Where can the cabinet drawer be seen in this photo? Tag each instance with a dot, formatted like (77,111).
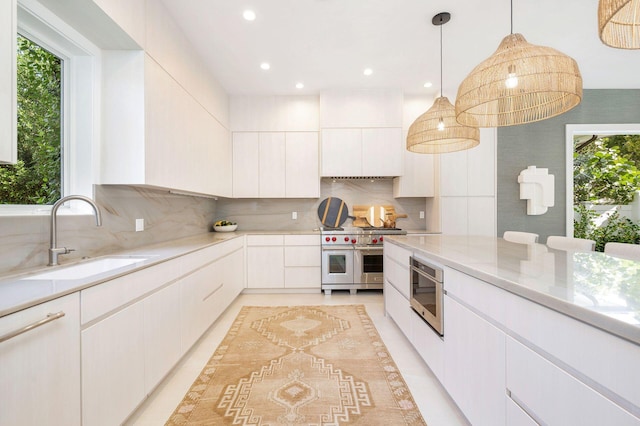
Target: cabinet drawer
(429,345)
(265,240)
(398,254)
(542,389)
(302,256)
(302,277)
(398,276)
(106,297)
(398,308)
(302,240)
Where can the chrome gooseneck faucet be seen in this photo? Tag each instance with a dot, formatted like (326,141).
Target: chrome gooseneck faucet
(54,251)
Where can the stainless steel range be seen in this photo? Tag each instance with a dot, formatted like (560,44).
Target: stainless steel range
(352,258)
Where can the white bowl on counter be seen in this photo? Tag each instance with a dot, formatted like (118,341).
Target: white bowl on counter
(225,228)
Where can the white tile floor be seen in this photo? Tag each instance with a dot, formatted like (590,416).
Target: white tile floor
(436,406)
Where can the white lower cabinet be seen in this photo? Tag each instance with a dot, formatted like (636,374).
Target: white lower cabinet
(283,261)
(428,344)
(40,369)
(397,307)
(113,367)
(302,257)
(128,349)
(553,396)
(161,319)
(474,370)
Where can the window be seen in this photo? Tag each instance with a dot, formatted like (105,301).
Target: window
(68,109)
(37,176)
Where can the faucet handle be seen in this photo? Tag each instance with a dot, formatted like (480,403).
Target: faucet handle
(68,250)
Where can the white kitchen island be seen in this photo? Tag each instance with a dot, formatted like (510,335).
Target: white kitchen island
(531,335)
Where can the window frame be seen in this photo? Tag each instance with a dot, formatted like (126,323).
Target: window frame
(80,103)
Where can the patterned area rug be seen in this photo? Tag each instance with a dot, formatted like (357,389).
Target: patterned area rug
(299,365)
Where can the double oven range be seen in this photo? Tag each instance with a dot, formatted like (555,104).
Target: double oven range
(352,258)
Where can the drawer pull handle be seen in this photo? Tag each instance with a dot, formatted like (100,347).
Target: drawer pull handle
(49,318)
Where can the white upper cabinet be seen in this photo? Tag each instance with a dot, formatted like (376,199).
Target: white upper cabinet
(382,152)
(8,138)
(272,165)
(155,133)
(275,165)
(302,165)
(274,113)
(341,152)
(360,108)
(246,165)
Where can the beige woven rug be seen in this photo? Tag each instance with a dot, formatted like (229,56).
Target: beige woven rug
(299,365)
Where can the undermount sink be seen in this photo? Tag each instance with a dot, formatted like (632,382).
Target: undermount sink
(88,268)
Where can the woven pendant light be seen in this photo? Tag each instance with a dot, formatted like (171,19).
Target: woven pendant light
(520,83)
(437,131)
(619,23)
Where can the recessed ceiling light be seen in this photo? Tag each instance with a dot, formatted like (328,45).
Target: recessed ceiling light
(249,15)
(368,71)
(265,66)
(428,84)
(299,86)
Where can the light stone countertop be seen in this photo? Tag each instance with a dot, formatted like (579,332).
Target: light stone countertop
(598,289)
(18,292)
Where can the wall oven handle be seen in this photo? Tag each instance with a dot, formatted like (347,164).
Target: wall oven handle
(48,318)
(425,275)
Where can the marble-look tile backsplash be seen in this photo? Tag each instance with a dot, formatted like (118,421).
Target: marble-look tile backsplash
(275,214)
(25,239)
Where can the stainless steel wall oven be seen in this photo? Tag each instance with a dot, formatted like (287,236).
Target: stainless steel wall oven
(427,292)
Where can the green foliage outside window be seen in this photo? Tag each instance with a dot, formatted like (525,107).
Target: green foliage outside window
(607,171)
(36,177)
(616,228)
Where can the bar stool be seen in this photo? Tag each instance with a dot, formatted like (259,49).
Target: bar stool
(570,243)
(624,250)
(520,237)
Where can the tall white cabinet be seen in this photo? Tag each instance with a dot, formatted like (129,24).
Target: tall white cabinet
(467,181)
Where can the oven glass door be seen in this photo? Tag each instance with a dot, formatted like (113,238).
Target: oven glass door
(426,298)
(337,266)
(369,265)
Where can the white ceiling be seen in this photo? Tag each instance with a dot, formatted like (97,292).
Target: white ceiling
(326,44)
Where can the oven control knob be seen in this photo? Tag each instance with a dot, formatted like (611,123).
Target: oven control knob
(381,238)
(353,241)
(375,241)
(327,239)
(333,239)
(346,239)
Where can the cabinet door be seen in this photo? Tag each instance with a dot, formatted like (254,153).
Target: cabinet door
(474,371)
(161,334)
(113,367)
(246,165)
(556,397)
(40,369)
(265,267)
(272,165)
(417,179)
(398,308)
(342,152)
(382,152)
(302,165)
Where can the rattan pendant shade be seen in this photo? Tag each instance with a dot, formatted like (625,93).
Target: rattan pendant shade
(520,83)
(437,131)
(619,23)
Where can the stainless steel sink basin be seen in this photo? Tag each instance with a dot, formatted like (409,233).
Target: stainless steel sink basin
(88,268)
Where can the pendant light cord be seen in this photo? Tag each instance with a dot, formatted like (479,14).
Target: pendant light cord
(511,16)
(440,60)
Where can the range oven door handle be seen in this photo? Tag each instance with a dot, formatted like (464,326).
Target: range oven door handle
(369,248)
(334,248)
